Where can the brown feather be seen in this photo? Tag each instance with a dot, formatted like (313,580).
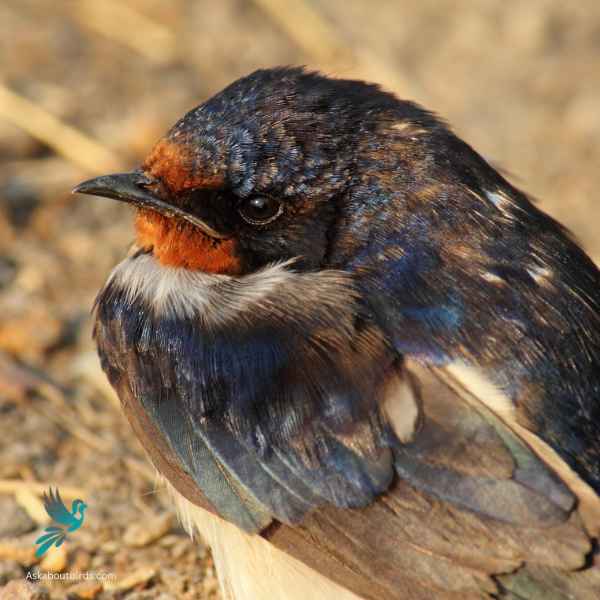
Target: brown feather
(409,545)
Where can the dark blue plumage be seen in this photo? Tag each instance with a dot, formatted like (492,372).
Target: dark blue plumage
(259,404)
(444,261)
(505,290)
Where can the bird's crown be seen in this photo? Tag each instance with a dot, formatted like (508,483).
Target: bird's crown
(262,170)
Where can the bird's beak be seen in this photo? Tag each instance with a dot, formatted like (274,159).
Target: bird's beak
(133,188)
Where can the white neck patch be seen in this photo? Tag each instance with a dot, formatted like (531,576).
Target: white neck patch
(216,299)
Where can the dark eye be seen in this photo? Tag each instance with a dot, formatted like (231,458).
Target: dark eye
(260,210)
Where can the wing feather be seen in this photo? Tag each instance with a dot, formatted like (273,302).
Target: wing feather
(270,416)
(411,545)
(56,508)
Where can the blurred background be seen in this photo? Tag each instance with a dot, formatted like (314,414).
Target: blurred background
(86,87)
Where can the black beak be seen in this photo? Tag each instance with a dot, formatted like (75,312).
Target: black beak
(133,189)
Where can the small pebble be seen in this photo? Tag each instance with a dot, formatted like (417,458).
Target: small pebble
(9,569)
(8,270)
(21,550)
(110,547)
(139,535)
(150,595)
(170,540)
(180,549)
(14,520)
(81,561)
(23,590)
(174,580)
(86,590)
(55,560)
(20,200)
(138,577)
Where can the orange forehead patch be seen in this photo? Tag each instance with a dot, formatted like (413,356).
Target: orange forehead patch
(179,244)
(177,167)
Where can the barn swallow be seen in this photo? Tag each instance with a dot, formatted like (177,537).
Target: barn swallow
(300,241)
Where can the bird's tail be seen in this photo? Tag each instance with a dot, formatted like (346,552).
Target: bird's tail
(53,536)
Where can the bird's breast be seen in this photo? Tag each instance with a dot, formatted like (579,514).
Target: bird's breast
(265,390)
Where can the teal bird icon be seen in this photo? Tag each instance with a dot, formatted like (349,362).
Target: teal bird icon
(56,509)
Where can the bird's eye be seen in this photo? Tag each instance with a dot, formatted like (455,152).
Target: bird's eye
(260,210)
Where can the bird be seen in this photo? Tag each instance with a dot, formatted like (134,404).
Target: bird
(364,363)
(56,509)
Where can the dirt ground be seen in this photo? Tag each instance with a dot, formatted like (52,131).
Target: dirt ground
(86,87)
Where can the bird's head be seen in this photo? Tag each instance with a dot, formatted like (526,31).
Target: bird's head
(263,170)
(78,506)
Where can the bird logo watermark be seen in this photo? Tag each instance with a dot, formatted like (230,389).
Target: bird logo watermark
(66,521)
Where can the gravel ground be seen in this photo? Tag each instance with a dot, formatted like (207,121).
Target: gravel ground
(519,81)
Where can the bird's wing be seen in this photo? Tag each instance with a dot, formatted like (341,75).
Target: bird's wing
(56,508)
(431,535)
(435,538)
(270,416)
(479,277)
